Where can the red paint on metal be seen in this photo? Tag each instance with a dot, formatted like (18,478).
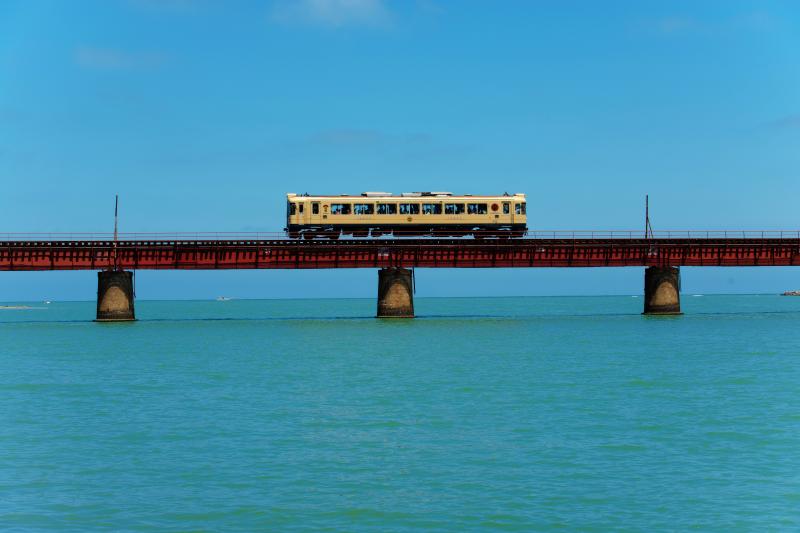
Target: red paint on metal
(407,253)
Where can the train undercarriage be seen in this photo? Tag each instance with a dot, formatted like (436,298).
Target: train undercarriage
(309,232)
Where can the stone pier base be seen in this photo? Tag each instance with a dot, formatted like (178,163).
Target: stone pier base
(395,293)
(662,291)
(115,296)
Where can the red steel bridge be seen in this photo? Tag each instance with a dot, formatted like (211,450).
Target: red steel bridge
(267,251)
(662,253)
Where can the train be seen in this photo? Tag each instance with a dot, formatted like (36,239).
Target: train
(374,214)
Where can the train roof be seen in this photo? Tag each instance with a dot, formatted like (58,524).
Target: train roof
(373,195)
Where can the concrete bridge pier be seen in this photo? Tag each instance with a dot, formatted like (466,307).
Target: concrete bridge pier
(115,296)
(662,287)
(395,293)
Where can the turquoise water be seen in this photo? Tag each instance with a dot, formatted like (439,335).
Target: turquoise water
(513,414)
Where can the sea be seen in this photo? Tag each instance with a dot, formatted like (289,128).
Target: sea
(481,414)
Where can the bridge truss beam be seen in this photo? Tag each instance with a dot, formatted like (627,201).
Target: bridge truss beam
(398,253)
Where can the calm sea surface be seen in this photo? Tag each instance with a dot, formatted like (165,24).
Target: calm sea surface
(515,414)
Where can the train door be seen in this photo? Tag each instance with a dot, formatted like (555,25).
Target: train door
(314,215)
(507,211)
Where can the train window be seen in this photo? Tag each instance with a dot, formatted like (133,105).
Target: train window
(292,209)
(387,209)
(409,209)
(363,209)
(520,209)
(477,209)
(300,207)
(431,209)
(340,209)
(506,208)
(453,209)
(315,208)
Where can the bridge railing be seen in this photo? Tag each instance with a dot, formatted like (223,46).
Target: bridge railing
(664,234)
(280,235)
(144,236)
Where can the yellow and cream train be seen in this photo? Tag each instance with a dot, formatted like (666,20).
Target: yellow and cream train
(407,214)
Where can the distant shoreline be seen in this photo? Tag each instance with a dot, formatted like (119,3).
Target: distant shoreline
(291,299)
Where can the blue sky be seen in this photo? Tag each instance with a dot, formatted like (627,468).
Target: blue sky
(202,114)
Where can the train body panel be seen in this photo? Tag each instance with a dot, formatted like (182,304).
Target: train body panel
(407,214)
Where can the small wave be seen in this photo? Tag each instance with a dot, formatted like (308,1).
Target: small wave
(624,447)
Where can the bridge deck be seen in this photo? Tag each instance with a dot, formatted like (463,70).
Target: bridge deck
(407,253)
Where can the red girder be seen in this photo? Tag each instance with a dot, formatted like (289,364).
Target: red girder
(427,253)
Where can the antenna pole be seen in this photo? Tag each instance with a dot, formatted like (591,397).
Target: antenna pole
(116,235)
(116,213)
(648,229)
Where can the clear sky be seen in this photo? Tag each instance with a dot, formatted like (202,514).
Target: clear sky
(202,114)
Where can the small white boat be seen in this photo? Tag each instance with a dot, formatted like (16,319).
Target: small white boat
(223,299)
